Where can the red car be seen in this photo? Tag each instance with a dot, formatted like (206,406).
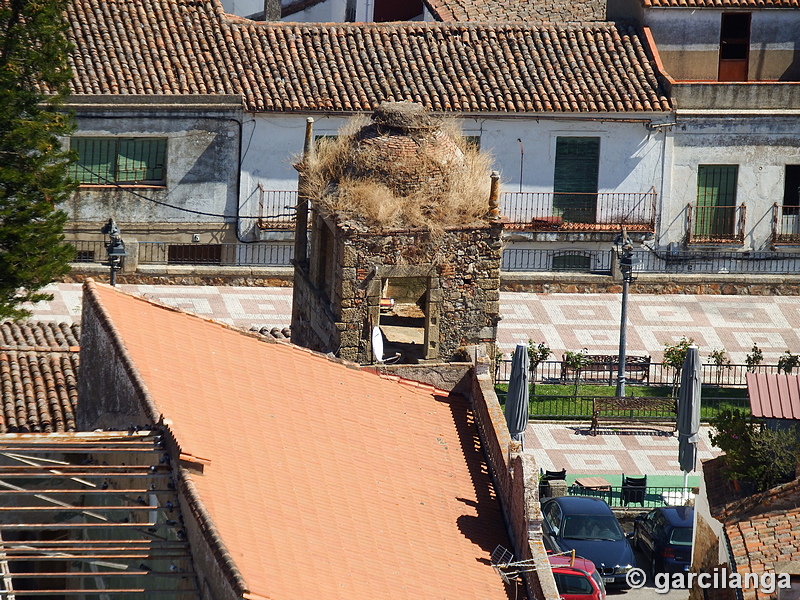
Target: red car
(576,578)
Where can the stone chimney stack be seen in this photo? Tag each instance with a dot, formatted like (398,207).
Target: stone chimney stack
(272,10)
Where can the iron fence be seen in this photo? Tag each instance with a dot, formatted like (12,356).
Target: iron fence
(649,497)
(89,251)
(579,408)
(525,259)
(549,211)
(230,254)
(659,374)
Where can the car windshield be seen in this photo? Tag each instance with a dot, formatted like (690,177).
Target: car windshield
(681,536)
(592,527)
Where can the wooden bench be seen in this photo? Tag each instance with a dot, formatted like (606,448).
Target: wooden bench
(603,367)
(630,409)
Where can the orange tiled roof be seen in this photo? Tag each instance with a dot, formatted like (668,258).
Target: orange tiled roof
(322,480)
(722,3)
(761,528)
(38,369)
(191,47)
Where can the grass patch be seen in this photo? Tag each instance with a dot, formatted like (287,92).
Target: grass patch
(558,401)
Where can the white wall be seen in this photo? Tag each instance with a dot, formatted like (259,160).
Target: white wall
(630,153)
(761,146)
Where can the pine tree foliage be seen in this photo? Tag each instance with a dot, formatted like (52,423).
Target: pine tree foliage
(34,78)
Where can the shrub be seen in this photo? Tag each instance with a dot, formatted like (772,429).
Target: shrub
(753,452)
(754,358)
(788,362)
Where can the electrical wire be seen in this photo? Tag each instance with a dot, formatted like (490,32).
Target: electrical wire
(153,200)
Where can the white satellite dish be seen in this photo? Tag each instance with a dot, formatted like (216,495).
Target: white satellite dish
(377,343)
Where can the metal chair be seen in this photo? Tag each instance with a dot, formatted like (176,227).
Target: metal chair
(633,489)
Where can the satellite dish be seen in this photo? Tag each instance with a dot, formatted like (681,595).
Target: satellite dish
(377,343)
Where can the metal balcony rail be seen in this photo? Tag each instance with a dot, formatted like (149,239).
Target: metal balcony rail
(277,209)
(561,211)
(584,261)
(228,254)
(786,224)
(716,224)
(716,262)
(599,261)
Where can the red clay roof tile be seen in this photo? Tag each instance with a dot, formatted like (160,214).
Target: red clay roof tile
(38,370)
(191,47)
(323,480)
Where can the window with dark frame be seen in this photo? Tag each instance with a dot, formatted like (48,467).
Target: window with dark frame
(791,190)
(110,161)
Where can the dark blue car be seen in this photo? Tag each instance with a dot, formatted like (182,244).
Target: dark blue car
(588,526)
(665,537)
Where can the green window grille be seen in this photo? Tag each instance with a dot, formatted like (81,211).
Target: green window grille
(575,179)
(716,201)
(119,160)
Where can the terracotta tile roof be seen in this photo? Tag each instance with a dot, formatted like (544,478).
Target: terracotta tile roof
(321,479)
(38,369)
(774,396)
(761,528)
(190,47)
(721,3)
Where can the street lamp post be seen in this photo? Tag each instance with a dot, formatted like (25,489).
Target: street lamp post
(115,248)
(624,250)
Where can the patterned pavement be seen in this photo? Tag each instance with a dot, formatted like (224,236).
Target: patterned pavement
(627,450)
(563,321)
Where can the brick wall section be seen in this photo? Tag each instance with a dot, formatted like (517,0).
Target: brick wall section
(463,270)
(517,479)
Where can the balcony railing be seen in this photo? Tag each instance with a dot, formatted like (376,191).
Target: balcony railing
(556,211)
(716,224)
(276,208)
(786,224)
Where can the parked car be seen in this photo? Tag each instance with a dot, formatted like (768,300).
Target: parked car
(576,578)
(588,526)
(665,536)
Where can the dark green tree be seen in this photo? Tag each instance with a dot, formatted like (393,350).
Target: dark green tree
(34,78)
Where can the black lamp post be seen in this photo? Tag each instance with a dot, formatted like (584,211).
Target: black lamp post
(115,248)
(624,249)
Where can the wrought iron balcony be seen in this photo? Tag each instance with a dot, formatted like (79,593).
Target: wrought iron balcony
(276,208)
(603,211)
(786,224)
(716,224)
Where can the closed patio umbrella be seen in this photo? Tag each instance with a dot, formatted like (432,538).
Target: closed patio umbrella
(517,398)
(689,412)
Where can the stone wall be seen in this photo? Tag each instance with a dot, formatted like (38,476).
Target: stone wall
(461,266)
(537,283)
(112,396)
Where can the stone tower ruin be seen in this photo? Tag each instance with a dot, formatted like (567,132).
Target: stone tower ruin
(404,239)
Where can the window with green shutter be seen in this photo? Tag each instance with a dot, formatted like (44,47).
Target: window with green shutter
(715,213)
(112,161)
(575,179)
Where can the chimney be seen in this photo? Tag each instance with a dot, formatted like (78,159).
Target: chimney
(272,10)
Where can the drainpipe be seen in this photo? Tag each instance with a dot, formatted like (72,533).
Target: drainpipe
(301,210)
(494,196)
